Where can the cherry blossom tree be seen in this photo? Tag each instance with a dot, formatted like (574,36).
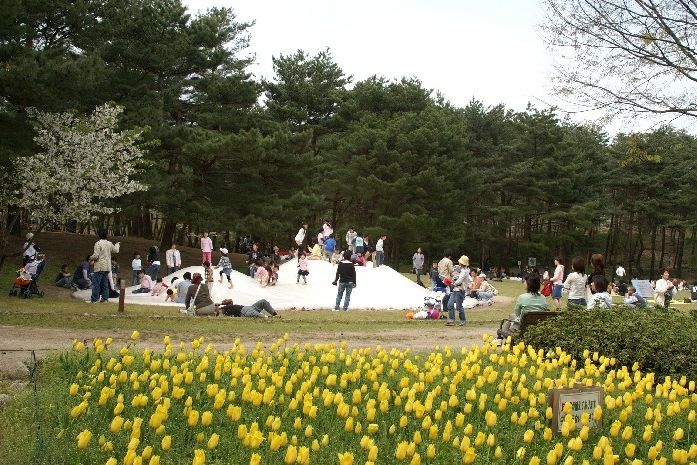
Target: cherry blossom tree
(84,162)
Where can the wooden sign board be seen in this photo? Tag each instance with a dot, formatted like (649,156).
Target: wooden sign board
(582,399)
(643,287)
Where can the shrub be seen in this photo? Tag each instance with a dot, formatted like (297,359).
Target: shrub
(664,342)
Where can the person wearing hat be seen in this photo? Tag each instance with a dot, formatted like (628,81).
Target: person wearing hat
(226,266)
(29,250)
(174,259)
(199,295)
(460,286)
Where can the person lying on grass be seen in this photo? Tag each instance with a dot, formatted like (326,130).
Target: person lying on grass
(227,308)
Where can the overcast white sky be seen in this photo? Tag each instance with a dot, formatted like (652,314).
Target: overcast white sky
(485,49)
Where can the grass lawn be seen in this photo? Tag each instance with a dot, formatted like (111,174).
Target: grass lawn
(51,322)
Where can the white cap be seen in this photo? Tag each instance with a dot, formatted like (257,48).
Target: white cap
(30,235)
(223,250)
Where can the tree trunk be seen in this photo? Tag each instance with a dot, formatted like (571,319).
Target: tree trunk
(608,239)
(168,231)
(663,250)
(679,253)
(652,268)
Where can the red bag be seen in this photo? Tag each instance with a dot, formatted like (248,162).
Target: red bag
(547,289)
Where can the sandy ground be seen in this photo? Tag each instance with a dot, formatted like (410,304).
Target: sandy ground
(420,338)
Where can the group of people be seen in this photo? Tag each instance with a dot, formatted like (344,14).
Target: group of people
(588,290)
(326,246)
(459,282)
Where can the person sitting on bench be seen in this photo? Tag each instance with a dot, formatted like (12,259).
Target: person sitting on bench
(530,301)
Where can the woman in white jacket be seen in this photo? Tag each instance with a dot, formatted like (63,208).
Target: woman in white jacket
(664,290)
(575,283)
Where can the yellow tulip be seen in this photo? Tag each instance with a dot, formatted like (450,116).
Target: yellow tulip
(112,461)
(166,443)
(528,436)
(199,457)
(679,434)
(213,441)
(154,460)
(431,451)
(291,455)
(415,459)
(83,439)
(206,418)
(135,335)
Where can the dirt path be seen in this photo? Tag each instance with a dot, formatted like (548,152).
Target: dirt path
(47,341)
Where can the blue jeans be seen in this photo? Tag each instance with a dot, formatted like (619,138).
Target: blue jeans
(456,299)
(379,257)
(344,287)
(172,270)
(483,295)
(64,282)
(100,286)
(135,280)
(153,271)
(141,290)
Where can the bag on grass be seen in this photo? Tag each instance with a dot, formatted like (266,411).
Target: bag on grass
(192,305)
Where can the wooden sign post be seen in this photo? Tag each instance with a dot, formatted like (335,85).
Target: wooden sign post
(582,399)
(122,296)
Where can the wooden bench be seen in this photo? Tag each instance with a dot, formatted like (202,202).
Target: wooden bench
(529,319)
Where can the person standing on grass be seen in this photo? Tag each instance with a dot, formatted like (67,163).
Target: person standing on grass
(346,279)
(174,259)
(380,251)
(417,262)
(575,283)
(29,249)
(206,248)
(621,272)
(665,290)
(462,283)
(102,266)
(445,265)
(557,282)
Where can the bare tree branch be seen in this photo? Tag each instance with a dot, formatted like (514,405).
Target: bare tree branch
(619,56)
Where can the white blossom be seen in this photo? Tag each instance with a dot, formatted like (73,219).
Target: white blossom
(84,162)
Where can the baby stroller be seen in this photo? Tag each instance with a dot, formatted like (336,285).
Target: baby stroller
(26,285)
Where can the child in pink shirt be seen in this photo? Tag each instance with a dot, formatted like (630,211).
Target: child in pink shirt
(206,248)
(303,266)
(262,274)
(159,287)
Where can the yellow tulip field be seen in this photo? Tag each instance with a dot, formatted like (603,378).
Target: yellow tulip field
(295,403)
